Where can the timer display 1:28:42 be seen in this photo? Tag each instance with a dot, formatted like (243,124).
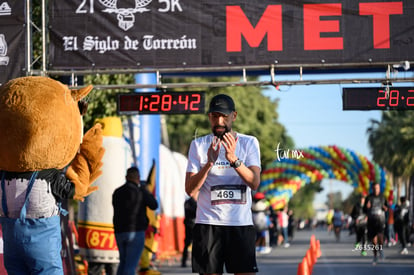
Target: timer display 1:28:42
(161,103)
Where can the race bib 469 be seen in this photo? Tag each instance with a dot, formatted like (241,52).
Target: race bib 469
(235,194)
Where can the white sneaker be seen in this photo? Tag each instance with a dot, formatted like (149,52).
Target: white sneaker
(286,245)
(404,251)
(266,250)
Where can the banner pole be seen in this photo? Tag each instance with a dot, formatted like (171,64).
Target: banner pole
(44,71)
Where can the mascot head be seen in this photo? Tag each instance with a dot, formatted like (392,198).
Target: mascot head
(41,124)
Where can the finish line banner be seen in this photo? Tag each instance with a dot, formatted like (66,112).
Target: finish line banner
(115,34)
(12,40)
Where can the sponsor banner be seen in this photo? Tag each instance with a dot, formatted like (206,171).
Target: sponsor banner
(105,34)
(12,39)
(97,236)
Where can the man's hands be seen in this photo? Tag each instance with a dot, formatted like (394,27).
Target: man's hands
(229,142)
(213,150)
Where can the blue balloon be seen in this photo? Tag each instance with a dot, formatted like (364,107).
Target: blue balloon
(356,159)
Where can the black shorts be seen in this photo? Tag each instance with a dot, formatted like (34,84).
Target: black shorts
(215,246)
(375,227)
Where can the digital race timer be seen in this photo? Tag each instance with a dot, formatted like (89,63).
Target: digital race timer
(161,103)
(396,98)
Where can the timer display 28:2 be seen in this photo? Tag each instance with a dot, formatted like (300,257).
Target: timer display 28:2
(396,98)
(161,103)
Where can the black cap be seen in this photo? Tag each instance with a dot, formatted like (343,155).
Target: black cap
(222,104)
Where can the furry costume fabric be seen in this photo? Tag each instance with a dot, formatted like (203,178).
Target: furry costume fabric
(42,134)
(43,129)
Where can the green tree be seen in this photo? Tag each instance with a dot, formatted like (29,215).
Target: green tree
(390,140)
(334,200)
(302,201)
(36,13)
(103,103)
(352,200)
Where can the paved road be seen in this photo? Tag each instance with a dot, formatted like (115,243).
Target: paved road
(337,258)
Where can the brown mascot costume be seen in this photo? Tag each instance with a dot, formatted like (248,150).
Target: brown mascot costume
(41,137)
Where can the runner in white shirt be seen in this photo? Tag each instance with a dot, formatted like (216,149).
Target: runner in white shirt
(223,168)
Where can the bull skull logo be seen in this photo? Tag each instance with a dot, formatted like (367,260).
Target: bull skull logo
(125,16)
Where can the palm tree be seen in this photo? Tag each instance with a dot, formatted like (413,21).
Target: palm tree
(391,143)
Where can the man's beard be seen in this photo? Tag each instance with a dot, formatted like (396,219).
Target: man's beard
(220,134)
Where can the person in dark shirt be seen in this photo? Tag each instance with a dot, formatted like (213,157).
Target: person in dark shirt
(360,223)
(402,224)
(190,209)
(375,207)
(130,202)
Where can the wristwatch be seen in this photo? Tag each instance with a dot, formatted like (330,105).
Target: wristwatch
(236,164)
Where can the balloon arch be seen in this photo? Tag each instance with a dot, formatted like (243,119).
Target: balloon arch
(296,168)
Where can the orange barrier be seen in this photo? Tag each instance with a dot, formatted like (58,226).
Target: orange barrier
(312,254)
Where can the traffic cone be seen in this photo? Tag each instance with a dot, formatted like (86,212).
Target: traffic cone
(303,267)
(306,266)
(311,259)
(315,247)
(313,242)
(318,249)
(300,269)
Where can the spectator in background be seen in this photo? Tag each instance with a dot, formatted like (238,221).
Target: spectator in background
(273,232)
(283,222)
(291,225)
(190,209)
(401,218)
(360,223)
(261,222)
(329,218)
(390,228)
(337,222)
(130,202)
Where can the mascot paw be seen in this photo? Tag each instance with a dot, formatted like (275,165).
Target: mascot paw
(86,166)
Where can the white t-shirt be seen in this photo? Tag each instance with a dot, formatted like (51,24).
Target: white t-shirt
(224,198)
